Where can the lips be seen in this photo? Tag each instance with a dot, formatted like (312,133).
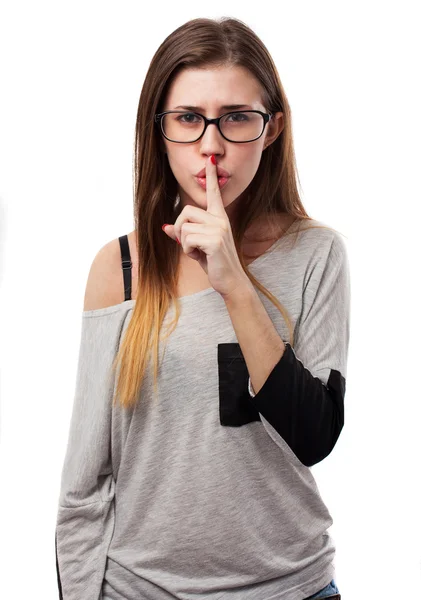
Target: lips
(222,181)
(219,171)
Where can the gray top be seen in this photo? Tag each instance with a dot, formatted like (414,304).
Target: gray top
(199,495)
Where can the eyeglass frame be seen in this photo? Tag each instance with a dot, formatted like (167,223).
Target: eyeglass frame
(216,121)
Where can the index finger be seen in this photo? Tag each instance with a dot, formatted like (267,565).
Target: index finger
(213,193)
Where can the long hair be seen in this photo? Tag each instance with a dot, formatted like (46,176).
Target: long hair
(199,43)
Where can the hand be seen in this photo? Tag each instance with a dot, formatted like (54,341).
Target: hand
(206,236)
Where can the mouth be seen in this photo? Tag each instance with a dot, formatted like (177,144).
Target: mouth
(222,181)
(220,171)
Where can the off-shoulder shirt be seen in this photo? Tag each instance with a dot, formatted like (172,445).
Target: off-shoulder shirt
(206,492)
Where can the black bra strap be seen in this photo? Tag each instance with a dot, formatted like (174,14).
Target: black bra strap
(126,264)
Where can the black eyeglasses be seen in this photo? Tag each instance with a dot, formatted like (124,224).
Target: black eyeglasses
(239,127)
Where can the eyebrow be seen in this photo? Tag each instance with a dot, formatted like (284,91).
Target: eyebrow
(225,107)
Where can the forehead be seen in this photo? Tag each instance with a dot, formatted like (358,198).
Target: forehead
(215,89)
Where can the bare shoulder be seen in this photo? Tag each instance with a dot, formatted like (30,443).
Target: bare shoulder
(105,285)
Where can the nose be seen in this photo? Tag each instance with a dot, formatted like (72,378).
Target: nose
(212,141)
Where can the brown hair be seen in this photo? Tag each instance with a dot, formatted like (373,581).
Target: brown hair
(199,43)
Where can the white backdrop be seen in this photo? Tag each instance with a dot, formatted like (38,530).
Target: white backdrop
(71,76)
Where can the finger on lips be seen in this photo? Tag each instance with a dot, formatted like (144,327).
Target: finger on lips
(211,160)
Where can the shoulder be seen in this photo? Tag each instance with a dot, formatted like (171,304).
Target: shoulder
(324,250)
(321,235)
(105,285)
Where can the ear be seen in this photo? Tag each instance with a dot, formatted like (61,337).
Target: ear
(275,127)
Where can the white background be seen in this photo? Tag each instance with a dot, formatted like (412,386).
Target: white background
(71,76)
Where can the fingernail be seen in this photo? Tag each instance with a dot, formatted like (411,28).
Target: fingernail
(164,225)
(178,241)
(213,159)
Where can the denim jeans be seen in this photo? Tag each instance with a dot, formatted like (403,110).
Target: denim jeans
(326,591)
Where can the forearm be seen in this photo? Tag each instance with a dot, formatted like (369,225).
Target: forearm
(260,343)
(307,413)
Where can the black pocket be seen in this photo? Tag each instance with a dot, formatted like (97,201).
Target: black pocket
(235,408)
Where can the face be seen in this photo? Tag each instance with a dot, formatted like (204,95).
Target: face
(211,89)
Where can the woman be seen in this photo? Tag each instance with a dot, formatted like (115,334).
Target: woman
(187,472)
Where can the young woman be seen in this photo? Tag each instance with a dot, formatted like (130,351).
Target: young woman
(213,355)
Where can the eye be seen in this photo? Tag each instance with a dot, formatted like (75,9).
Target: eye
(186,115)
(238,117)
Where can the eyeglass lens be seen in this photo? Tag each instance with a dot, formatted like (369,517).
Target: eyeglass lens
(236,126)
